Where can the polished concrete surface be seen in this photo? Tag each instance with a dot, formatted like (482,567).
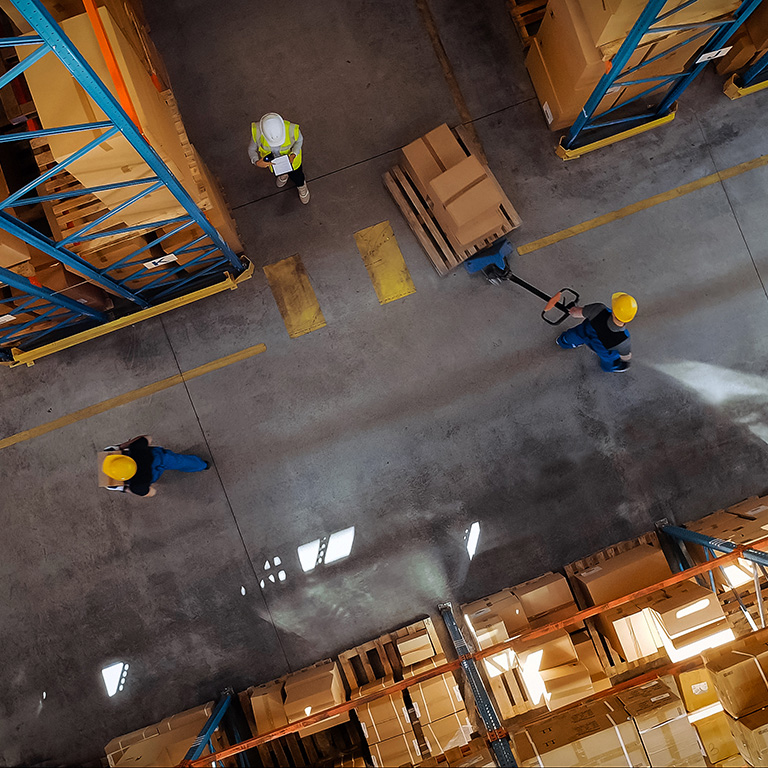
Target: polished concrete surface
(409,421)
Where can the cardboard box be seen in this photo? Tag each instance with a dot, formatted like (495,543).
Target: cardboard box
(566,45)
(661,719)
(697,689)
(566,684)
(595,735)
(757,26)
(12,250)
(545,653)
(587,655)
(637,636)
(741,53)
(739,672)
(427,157)
(622,574)
(751,736)
(324,725)
(693,643)
(58,279)
(436,698)
(313,690)
(400,750)
(267,705)
(715,736)
(456,180)
(545,594)
(384,718)
(489,630)
(415,648)
(500,663)
(447,733)
(686,607)
(504,605)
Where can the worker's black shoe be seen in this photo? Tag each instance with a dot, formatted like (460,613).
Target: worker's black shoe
(207,465)
(621,366)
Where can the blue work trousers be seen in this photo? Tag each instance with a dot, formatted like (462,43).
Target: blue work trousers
(163,459)
(584,333)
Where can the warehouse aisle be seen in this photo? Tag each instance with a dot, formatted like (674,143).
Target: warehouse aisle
(406,422)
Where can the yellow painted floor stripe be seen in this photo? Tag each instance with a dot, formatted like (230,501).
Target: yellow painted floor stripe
(295,298)
(385,263)
(649,202)
(129,397)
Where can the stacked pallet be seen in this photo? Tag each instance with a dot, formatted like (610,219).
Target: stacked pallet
(577,40)
(748,44)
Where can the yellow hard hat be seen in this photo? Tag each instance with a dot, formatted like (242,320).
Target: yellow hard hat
(623,306)
(119,467)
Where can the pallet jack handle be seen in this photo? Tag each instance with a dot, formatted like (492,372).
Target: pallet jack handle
(563,300)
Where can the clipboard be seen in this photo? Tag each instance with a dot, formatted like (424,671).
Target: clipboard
(282,164)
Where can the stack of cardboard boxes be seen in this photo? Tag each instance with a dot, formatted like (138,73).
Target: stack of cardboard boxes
(462,194)
(739,673)
(387,729)
(748,44)
(577,40)
(312,690)
(706,715)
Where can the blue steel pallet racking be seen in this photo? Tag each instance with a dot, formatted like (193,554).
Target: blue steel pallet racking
(55,315)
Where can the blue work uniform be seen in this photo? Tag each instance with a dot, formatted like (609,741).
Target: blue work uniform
(152,461)
(599,332)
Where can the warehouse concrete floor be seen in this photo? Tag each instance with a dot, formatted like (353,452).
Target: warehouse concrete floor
(409,421)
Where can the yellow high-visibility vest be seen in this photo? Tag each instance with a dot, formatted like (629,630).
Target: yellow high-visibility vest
(291,135)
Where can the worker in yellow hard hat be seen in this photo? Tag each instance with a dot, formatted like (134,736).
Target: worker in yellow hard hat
(603,331)
(139,464)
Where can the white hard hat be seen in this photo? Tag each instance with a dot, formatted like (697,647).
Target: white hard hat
(272,127)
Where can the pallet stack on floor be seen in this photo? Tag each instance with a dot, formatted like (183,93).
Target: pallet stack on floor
(59,101)
(577,40)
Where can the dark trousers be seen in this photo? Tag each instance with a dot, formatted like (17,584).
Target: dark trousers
(297,176)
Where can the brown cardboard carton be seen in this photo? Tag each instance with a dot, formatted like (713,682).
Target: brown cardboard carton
(312,690)
(587,655)
(739,672)
(693,643)
(685,607)
(473,203)
(623,574)
(751,736)
(489,630)
(563,612)
(697,689)
(400,750)
(62,281)
(544,594)
(267,705)
(415,648)
(503,604)
(595,735)
(427,157)
(447,732)
(716,737)
(566,684)
(741,53)
(757,26)
(456,180)
(436,698)
(545,653)
(324,725)
(12,250)
(445,147)
(634,636)
(165,750)
(484,225)
(384,718)
(566,45)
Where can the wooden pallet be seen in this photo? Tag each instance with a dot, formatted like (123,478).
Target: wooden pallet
(371,662)
(526,16)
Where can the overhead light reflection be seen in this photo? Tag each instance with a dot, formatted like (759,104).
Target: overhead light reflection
(473,535)
(114,677)
(327,550)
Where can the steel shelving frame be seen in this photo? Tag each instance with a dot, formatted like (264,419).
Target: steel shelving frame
(497,736)
(592,131)
(753,79)
(60,315)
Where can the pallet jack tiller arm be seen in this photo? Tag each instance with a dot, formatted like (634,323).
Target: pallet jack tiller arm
(492,262)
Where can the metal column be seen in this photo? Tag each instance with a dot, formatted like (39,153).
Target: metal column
(204,739)
(719,545)
(153,278)
(497,734)
(666,88)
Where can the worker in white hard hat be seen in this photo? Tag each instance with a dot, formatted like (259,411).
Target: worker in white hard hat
(603,331)
(276,144)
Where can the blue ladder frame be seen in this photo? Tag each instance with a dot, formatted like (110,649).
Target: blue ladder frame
(713,34)
(209,253)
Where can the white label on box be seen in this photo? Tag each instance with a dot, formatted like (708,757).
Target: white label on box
(457,693)
(416,710)
(167,259)
(719,53)
(7,318)
(698,688)
(614,89)
(365,729)
(547,112)
(660,698)
(374,761)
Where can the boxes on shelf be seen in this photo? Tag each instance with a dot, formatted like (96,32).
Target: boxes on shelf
(662,722)
(587,736)
(741,53)
(750,733)
(544,595)
(448,732)
(631,630)
(715,736)
(59,279)
(384,718)
(622,574)
(436,698)
(757,26)
(495,618)
(415,648)
(312,690)
(738,672)
(685,607)
(697,689)
(399,750)
(267,704)
(587,655)
(12,250)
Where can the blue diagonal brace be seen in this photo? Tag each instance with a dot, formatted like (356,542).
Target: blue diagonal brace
(719,545)
(6,138)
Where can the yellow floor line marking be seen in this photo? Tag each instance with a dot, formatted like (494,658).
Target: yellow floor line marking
(295,298)
(649,202)
(129,397)
(385,263)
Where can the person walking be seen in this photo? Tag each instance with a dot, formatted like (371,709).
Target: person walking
(603,331)
(276,144)
(140,464)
